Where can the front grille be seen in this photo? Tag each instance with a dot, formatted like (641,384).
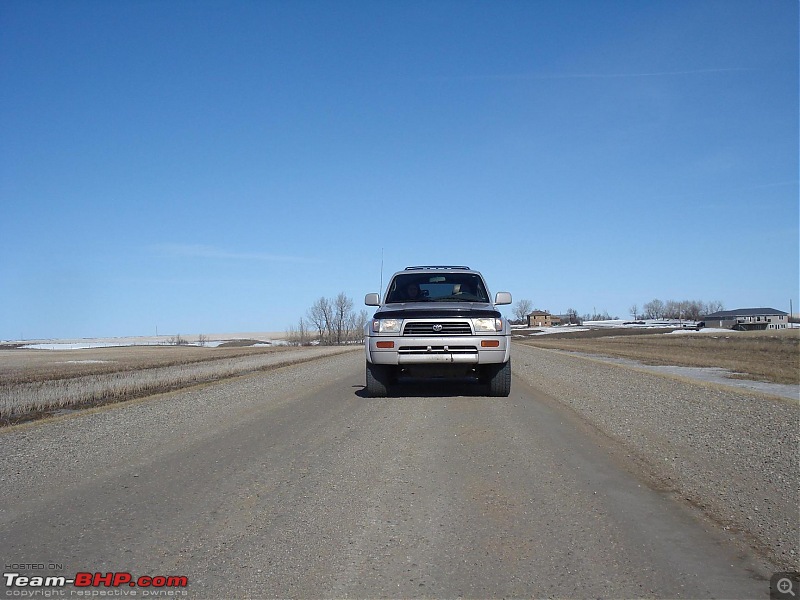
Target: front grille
(437,349)
(427,328)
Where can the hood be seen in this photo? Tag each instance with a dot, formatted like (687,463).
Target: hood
(422,310)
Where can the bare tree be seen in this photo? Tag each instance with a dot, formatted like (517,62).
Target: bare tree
(342,307)
(291,336)
(355,326)
(298,336)
(694,310)
(691,310)
(654,309)
(672,309)
(321,315)
(522,309)
(302,332)
(317,321)
(178,340)
(598,316)
(335,321)
(634,311)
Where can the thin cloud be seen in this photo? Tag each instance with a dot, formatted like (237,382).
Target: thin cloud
(556,76)
(201,251)
(633,75)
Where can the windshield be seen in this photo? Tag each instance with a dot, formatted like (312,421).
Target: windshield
(437,287)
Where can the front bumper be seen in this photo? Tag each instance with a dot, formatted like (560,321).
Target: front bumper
(465,350)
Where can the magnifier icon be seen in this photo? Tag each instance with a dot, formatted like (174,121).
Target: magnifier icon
(785,586)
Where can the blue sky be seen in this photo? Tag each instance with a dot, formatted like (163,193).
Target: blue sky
(203,167)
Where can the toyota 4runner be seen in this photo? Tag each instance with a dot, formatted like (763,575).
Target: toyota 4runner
(438,321)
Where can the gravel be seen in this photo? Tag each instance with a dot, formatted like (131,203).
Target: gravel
(105,439)
(733,454)
(291,483)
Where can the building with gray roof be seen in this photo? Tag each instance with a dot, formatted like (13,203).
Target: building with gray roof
(748,319)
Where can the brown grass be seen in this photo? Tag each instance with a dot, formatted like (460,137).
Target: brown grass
(23,366)
(772,356)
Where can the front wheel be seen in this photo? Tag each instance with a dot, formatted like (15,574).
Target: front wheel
(378,377)
(499,379)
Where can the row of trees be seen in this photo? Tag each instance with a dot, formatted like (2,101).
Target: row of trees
(330,322)
(690,310)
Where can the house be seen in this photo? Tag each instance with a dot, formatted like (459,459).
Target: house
(748,319)
(542,318)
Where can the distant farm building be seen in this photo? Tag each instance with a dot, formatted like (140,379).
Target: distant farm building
(542,318)
(748,319)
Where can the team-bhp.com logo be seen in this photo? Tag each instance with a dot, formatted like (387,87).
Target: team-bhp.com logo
(97,580)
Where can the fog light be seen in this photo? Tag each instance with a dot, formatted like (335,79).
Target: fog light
(490,343)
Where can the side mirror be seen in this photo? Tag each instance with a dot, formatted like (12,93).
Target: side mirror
(502,298)
(372,300)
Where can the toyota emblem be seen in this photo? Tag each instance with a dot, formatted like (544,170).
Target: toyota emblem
(437,327)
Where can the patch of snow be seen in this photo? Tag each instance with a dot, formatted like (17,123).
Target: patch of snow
(710,374)
(640,323)
(562,329)
(700,331)
(212,341)
(72,346)
(86,362)
(611,323)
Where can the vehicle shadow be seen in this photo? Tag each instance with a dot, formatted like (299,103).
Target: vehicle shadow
(409,387)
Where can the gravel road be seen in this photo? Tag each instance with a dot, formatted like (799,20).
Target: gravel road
(291,483)
(734,454)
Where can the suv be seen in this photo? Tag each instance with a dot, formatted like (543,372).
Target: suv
(438,321)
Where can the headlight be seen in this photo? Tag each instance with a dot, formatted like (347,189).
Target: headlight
(484,325)
(386,325)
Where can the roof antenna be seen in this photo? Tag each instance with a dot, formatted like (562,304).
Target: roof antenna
(380,289)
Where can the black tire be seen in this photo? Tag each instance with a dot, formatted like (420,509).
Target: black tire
(500,379)
(378,377)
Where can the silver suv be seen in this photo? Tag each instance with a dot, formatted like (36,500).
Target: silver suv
(438,321)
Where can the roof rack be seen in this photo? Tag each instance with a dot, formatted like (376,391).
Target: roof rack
(423,267)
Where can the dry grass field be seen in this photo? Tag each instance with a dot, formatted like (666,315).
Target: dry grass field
(20,365)
(35,383)
(772,356)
